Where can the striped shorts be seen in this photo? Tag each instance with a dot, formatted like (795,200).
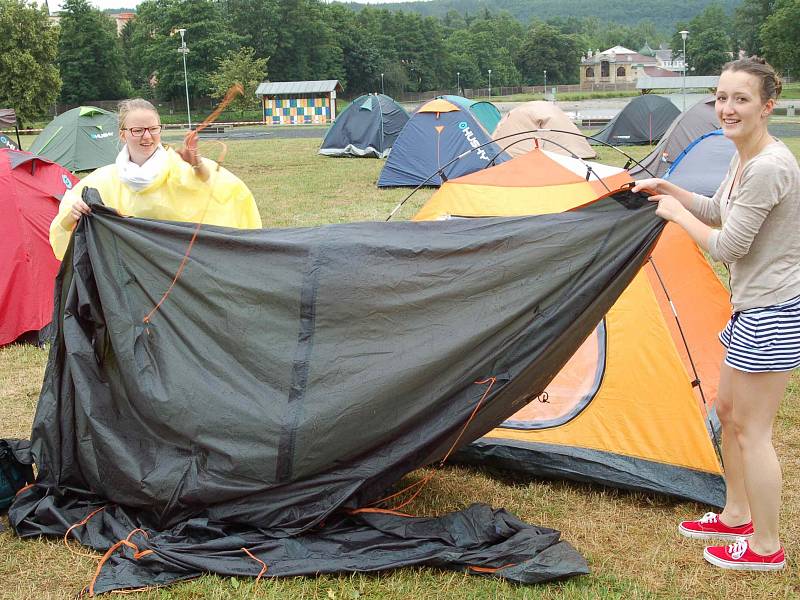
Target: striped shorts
(764,339)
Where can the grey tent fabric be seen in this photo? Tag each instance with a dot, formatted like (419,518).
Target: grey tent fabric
(367,128)
(80,139)
(703,165)
(688,126)
(293,376)
(644,120)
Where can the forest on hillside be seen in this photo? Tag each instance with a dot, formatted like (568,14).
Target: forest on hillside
(622,12)
(83,58)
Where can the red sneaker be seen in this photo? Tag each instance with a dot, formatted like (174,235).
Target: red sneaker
(710,526)
(738,555)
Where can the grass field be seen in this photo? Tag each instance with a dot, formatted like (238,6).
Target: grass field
(629,539)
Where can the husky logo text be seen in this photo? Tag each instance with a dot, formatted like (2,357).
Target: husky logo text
(472,140)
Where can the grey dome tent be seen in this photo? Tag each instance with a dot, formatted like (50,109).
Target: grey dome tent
(698,120)
(703,165)
(368,127)
(644,120)
(80,139)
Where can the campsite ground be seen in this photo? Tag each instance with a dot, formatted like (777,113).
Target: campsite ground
(629,539)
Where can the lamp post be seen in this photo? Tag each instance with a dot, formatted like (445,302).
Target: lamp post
(458,83)
(382,84)
(545,84)
(684,35)
(185,50)
(490,83)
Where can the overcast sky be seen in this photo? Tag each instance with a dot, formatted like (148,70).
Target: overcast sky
(56,5)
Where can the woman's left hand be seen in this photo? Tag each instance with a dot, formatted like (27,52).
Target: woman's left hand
(669,207)
(189,151)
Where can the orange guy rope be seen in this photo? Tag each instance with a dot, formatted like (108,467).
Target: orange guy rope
(191,138)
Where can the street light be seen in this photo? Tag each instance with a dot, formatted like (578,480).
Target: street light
(185,50)
(684,35)
(545,84)
(458,83)
(382,83)
(490,83)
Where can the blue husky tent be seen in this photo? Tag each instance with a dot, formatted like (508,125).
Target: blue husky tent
(702,166)
(483,110)
(368,127)
(437,133)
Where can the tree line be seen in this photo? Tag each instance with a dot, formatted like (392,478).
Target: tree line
(249,41)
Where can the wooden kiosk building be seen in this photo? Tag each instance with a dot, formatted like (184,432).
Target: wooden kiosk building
(299,102)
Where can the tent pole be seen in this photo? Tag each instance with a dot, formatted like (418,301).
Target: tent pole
(696,383)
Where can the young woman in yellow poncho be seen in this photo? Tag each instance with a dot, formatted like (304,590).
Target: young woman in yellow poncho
(151,181)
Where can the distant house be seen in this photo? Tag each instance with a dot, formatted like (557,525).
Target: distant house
(122,19)
(621,65)
(298,102)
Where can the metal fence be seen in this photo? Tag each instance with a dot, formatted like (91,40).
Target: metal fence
(552,91)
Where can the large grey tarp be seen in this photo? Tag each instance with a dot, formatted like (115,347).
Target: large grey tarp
(294,375)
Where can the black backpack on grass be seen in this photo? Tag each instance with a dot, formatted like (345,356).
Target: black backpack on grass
(13,473)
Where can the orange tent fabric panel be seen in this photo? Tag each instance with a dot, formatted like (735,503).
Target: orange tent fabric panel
(638,410)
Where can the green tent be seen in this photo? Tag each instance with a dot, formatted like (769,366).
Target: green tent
(80,139)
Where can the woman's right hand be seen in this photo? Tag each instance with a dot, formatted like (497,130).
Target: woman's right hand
(649,185)
(76,211)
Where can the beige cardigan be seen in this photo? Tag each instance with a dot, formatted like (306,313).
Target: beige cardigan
(759,238)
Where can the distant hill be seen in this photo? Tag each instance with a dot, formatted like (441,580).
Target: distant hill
(625,12)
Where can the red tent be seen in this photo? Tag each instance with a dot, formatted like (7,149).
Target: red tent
(30,190)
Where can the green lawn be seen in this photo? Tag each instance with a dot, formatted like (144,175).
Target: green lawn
(630,539)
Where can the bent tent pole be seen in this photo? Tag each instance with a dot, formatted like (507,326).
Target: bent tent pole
(696,383)
(440,171)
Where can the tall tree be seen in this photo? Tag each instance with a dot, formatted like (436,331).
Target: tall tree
(546,48)
(781,35)
(155,60)
(90,55)
(305,47)
(709,44)
(748,18)
(29,79)
(242,67)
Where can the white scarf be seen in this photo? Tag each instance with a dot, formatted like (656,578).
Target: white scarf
(136,177)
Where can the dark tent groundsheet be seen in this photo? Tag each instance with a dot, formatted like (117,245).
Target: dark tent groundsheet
(292,376)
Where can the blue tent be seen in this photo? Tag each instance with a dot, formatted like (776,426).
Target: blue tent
(702,166)
(436,134)
(483,110)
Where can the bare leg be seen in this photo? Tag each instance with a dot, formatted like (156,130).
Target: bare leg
(756,398)
(737,508)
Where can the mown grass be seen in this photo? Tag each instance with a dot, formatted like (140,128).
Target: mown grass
(629,538)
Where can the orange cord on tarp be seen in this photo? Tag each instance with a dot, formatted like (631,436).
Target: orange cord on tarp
(258,560)
(137,554)
(234,91)
(420,485)
(80,524)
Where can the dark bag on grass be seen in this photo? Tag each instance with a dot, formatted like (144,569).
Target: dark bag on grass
(13,474)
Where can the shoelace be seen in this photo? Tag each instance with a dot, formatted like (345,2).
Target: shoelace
(709,517)
(737,549)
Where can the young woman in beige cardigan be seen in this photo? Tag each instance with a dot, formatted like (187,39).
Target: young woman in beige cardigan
(757,213)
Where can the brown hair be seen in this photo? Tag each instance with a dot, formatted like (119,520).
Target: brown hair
(126,106)
(771,85)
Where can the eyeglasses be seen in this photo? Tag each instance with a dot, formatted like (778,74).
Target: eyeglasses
(139,131)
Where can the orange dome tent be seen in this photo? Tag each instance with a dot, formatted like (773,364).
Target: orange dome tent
(631,409)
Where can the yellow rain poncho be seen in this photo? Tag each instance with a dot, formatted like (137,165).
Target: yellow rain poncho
(176,195)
